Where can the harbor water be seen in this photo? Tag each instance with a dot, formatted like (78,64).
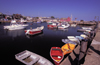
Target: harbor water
(15,41)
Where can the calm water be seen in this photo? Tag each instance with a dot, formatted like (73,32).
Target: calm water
(13,42)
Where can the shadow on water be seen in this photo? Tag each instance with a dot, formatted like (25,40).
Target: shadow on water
(32,36)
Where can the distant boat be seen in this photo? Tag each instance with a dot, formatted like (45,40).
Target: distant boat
(34,31)
(79,37)
(63,26)
(23,21)
(14,26)
(73,25)
(30,58)
(87,28)
(52,25)
(56,54)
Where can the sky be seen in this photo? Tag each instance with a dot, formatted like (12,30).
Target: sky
(80,9)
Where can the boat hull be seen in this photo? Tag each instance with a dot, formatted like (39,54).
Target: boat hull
(33,32)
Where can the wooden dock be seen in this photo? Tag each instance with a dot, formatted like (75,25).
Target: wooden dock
(92,52)
(86,23)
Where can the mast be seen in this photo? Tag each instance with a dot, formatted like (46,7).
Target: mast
(71,17)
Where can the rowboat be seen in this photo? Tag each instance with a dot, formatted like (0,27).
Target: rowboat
(56,54)
(66,41)
(68,48)
(84,36)
(74,39)
(87,28)
(80,38)
(30,58)
(34,31)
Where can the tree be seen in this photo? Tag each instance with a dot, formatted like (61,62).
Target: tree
(52,17)
(81,20)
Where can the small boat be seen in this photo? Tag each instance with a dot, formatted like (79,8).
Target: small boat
(84,36)
(87,28)
(63,26)
(74,39)
(52,25)
(79,37)
(66,41)
(73,25)
(84,30)
(34,31)
(30,58)
(87,33)
(68,48)
(56,54)
(14,26)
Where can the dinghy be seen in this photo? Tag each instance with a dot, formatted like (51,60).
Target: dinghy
(79,37)
(68,48)
(84,36)
(74,39)
(87,28)
(30,58)
(56,54)
(14,26)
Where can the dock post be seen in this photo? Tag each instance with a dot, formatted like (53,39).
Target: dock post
(83,49)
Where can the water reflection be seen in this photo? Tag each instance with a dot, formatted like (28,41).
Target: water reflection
(32,36)
(15,33)
(56,29)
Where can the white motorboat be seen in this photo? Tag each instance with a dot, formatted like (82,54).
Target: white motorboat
(30,58)
(14,26)
(63,26)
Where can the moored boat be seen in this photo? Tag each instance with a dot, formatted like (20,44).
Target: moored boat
(84,36)
(87,28)
(63,26)
(79,37)
(14,26)
(74,39)
(52,25)
(56,54)
(34,31)
(30,58)
(68,48)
